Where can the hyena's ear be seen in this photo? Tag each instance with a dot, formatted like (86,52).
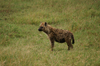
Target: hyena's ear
(45,23)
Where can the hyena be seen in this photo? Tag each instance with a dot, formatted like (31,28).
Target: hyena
(57,35)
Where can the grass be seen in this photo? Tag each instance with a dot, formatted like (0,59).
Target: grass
(22,45)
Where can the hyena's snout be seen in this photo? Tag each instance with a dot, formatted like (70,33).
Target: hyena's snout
(40,29)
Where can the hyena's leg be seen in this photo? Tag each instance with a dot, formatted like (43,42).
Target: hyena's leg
(52,44)
(68,41)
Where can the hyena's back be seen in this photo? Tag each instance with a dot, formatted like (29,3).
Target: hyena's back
(61,35)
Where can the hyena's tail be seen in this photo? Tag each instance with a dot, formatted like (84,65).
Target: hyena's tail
(72,36)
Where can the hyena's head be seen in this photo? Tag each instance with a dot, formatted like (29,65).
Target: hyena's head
(42,26)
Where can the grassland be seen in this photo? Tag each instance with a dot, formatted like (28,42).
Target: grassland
(22,45)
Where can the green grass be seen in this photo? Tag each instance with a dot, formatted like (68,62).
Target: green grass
(21,44)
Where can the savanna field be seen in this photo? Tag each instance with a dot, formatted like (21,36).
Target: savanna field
(21,44)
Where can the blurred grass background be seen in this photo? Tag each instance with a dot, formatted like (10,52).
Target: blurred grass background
(22,45)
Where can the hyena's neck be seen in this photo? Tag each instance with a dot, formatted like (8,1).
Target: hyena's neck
(48,29)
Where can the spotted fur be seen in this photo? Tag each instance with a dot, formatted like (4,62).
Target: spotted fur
(57,35)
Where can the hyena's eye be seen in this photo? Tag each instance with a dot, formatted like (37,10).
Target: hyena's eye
(41,27)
